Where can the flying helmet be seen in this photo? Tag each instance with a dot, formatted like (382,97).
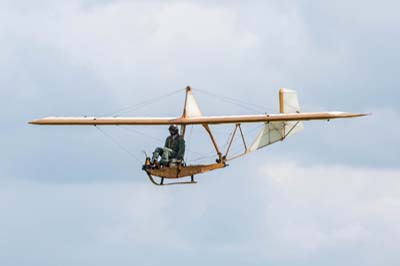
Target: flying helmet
(173,129)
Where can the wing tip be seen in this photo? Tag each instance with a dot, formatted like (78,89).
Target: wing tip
(364,114)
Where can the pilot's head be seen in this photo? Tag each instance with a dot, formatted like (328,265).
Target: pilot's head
(173,130)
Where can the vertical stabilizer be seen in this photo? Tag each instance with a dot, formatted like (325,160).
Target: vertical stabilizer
(288,102)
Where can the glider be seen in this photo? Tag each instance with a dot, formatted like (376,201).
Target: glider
(276,127)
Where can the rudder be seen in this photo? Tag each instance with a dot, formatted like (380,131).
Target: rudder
(288,102)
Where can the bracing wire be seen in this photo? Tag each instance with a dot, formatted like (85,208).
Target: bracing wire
(131,130)
(207,155)
(237,102)
(118,144)
(142,104)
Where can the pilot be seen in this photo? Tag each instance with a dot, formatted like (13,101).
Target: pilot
(174,148)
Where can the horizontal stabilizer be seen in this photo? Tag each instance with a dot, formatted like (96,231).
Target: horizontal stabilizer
(276,131)
(273,132)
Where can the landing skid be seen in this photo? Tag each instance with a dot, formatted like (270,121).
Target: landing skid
(191,182)
(181,171)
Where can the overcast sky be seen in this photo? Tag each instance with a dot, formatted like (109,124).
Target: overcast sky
(327,196)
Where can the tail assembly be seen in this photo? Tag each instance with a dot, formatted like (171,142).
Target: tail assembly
(279,130)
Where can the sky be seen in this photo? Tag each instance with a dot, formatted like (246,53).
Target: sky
(329,195)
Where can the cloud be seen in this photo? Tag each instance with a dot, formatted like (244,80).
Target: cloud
(287,214)
(81,219)
(323,209)
(126,44)
(367,142)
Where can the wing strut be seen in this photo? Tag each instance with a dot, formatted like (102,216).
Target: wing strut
(213,141)
(231,140)
(241,133)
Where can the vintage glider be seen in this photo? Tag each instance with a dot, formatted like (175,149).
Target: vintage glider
(276,127)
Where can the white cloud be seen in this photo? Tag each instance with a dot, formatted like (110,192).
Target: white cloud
(287,212)
(310,210)
(127,41)
(164,45)
(83,219)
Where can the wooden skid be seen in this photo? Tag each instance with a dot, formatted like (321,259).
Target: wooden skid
(169,184)
(183,171)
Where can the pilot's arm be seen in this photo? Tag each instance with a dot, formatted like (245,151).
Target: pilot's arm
(166,142)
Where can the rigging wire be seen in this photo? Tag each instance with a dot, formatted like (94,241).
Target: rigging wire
(131,130)
(241,103)
(188,150)
(142,104)
(118,144)
(207,155)
(159,98)
(155,138)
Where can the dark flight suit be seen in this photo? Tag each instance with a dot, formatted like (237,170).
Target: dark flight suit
(174,148)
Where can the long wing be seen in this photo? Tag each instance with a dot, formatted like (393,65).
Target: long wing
(233,119)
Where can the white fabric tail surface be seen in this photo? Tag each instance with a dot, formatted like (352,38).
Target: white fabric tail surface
(278,131)
(290,101)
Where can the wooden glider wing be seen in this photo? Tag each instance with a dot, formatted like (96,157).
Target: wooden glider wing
(289,112)
(201,120)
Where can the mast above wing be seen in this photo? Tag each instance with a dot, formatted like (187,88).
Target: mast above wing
(191,108)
